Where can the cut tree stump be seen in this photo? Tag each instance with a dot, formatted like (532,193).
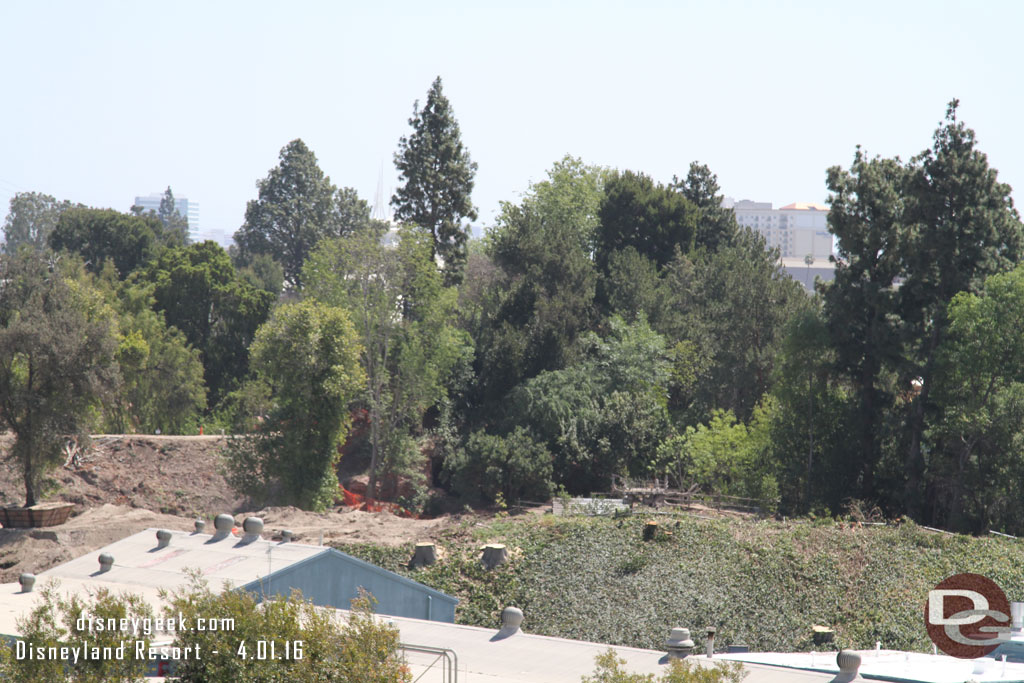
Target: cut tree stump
(424,555)
(494,555)
(650,531)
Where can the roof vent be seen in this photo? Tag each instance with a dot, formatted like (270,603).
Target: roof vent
(253,527)
(849,664)
(106,562)
(223,523)
(163,538)
(27,581)
(200,526)
(287,536)
(511,620)
(679,643)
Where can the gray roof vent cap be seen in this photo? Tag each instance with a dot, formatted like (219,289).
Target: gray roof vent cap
(253,527)
(849,664)
(163,538)
(511,618)
(223,523)
(679,643)
(106,562)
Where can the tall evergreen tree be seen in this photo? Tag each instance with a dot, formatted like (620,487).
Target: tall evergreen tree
(437,176)
(860,305)
(963,229)
(716,226)
(171,218)
(297,207)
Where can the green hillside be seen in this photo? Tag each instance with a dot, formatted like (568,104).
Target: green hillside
(762,583)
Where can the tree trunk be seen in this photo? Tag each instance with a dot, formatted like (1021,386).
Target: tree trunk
(371,485)
(30,476)
(913,466)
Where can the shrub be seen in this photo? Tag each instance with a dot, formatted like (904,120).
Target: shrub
(310,643)
(514,466)
(610,670)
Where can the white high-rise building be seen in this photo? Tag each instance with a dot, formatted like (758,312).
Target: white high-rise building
(186,208)
(798,230)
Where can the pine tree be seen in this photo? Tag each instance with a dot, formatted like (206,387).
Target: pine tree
(437,175)
(297,207)
(963,228)
(172,219)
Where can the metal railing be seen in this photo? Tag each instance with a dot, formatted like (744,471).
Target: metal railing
(448,660)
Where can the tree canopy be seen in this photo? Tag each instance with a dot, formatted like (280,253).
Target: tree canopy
(32,217)
(99,235)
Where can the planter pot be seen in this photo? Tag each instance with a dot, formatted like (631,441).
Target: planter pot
(43,514)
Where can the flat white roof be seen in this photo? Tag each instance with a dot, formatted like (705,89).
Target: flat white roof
(528,658)
(894,665)
(139,563)
(143,569)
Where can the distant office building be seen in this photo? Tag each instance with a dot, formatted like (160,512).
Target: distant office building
(189,210)
(798,229)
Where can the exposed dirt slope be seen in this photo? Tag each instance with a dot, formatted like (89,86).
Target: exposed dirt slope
(123,484)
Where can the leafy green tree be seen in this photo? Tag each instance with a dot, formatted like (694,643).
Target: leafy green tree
(261,271)
(604,415)
(963,229)
(98,235)
(542,298)
(861,305)
(571,195)
(632,287)
(974,464)
(199,293)
(54,622)
(32,217)
(650,217)
(733,306)
(724,456)
(163,385)
(56,361)
(515,466)
(405,319)
(321,648)
(716,226)
(436,173)
(813,416)
(296,208)
(308,354)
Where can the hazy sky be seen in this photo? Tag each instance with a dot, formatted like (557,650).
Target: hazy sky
(103,101)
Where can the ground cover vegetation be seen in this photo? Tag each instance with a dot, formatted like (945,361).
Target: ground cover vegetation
(606,325)
(763,583)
